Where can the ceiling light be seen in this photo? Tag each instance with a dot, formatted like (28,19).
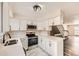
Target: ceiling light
(37,7)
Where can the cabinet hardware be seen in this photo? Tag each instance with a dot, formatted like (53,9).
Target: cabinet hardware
(49,44)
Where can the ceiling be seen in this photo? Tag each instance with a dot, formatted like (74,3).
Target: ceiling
(24,9)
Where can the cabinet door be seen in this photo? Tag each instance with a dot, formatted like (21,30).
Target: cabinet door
(22,24)
(47,46)
(52,48)
(51,22)
(39,41)
(57,20)
(43,43)
(24,42)
(39,26)
(14,24)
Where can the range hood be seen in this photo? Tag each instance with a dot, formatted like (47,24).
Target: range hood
(57,30)
(61,29)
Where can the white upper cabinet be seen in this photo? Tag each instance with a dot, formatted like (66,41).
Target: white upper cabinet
(23,25)
(14,24)
(43,25)
(40,26)
(57,20)
(50,22)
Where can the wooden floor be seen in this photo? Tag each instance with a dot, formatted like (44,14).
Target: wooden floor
(71,46)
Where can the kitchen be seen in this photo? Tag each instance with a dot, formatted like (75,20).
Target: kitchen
(37,29)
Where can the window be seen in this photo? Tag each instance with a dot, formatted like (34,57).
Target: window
(73,29)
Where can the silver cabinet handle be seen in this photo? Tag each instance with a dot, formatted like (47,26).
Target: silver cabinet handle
(41,40)
(49,44)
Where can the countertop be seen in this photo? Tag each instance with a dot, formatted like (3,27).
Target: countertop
(12,50)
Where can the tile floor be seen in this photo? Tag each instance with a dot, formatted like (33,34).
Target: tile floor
(35,51)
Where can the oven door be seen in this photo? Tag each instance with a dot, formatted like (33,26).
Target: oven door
(32,41)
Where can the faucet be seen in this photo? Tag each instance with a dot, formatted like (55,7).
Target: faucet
(5,35)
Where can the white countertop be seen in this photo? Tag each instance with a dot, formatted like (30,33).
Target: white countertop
(12,50)
(53,38)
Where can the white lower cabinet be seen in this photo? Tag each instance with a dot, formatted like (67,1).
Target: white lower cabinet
(52,46)
(47,45)
(41,42)
(24,42)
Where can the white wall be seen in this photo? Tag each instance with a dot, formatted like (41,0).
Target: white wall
(5,17)
(69,9)
(0,17)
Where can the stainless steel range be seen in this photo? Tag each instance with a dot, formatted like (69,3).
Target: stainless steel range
(32,39)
